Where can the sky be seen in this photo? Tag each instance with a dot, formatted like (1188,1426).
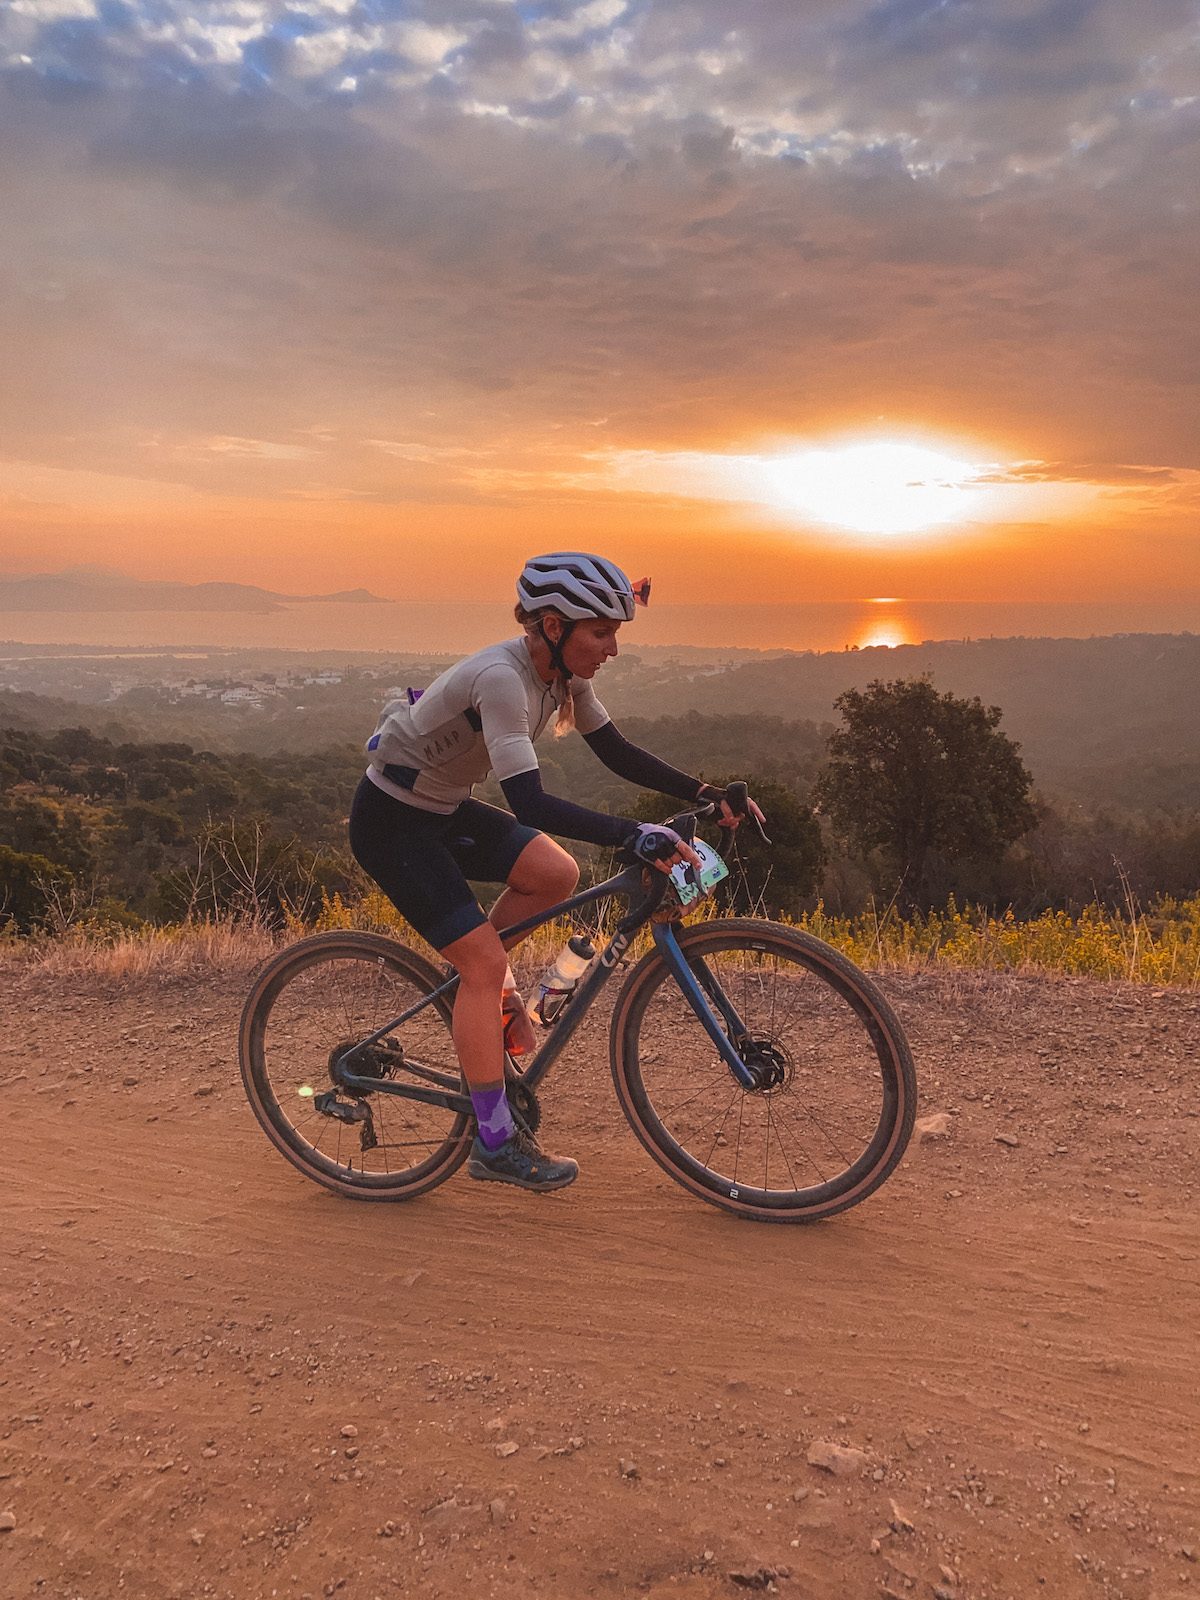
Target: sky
(780,303)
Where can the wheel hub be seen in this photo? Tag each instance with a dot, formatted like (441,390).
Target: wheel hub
(768,1063)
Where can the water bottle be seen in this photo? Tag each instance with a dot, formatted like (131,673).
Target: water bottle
(557,984)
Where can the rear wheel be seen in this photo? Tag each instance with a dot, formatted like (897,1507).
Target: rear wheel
(834,1097)
(307,1007)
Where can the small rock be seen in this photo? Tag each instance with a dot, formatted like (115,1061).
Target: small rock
(498,1510)
(1188,1552)
(755,1577)
(1009,1139)
(196,1536)
(130,1082)
(935,1126)
(349,1431)
(508,1448)
(901,1521)
(943,1591)
(209,1452)
(8,1521)
(575,1442)
(629,1469)
(949,1576)
(204,1091)
(842,1460)
(800,1494)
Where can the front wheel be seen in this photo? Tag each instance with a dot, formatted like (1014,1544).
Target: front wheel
(834,1095)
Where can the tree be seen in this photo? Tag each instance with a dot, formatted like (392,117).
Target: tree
(243,870)
(28,885)
(926,779)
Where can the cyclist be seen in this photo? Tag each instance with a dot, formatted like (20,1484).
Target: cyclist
(418,832)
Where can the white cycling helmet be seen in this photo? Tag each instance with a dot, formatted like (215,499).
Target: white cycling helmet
(579,586)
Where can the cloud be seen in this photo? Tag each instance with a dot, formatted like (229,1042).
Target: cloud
(1097,473)
(471,225)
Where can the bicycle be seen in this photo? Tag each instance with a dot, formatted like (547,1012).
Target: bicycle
(769,1057)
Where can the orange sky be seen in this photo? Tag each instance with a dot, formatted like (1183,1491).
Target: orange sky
(318,301)
(1121,546)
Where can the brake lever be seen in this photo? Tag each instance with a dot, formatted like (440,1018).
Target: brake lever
(737,798)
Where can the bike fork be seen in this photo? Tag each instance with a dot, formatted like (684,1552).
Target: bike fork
(699,999)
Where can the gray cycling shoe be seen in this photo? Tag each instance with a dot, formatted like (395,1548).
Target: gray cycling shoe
(519,1161)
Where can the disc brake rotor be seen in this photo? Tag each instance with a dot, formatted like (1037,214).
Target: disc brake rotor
(769,1063)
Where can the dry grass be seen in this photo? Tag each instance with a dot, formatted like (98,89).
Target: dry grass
(1160,947)
(180,951)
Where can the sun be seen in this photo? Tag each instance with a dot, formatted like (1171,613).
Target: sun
(875,487)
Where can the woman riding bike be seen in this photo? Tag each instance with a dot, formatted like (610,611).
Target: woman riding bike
(418,832)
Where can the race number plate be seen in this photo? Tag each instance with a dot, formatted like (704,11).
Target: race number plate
(693,883)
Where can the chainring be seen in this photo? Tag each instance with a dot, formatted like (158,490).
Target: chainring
(522,1099)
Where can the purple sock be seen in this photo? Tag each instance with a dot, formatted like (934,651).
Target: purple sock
(493,1115)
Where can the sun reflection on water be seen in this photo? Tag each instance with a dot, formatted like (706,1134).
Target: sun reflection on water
(885,624)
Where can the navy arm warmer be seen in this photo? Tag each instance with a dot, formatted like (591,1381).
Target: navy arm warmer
(638,766)
(536,809)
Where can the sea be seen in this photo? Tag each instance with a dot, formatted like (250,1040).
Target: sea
(457,628)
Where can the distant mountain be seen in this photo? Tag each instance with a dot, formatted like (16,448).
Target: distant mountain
(103,589)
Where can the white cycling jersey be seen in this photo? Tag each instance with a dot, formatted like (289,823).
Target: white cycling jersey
(481,715)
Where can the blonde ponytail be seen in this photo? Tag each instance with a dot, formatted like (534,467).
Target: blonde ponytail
(565,720)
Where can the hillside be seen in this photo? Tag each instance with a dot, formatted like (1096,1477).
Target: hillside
(220,1381)
(1103,720)
(1118,711)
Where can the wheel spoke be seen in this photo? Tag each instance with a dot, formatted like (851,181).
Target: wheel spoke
(721,1128)
(703,1089)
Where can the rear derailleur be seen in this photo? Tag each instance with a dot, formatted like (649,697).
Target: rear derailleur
(377,1062)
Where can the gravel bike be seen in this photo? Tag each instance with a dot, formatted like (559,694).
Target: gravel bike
(756,1064)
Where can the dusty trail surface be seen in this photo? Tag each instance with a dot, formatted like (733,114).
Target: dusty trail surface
(218,1380)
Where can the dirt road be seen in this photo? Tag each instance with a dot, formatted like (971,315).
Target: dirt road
(218,1380)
